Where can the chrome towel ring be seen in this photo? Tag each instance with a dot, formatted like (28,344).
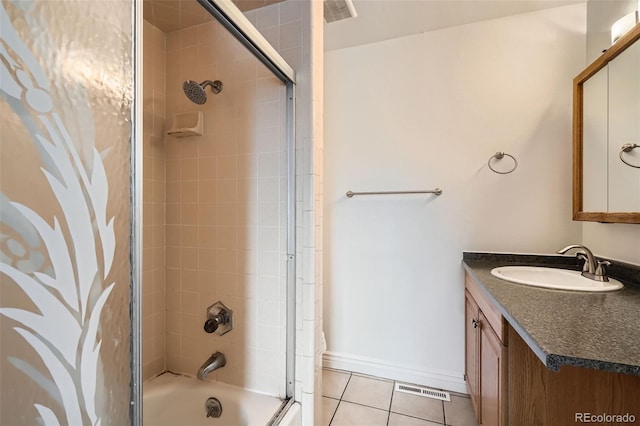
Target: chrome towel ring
(500,156)
(628,147)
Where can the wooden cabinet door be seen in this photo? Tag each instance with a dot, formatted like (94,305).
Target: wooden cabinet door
(472,352)
(492,376)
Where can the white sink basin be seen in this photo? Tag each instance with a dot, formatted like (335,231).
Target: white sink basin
(561,279)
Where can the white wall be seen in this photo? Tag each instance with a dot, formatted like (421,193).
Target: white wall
(616,241)
(428,111)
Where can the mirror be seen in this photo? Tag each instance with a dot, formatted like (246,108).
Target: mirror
(606,135)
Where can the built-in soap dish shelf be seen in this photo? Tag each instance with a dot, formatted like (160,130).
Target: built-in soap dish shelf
(186,124)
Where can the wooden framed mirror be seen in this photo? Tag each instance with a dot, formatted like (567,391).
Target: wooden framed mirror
(606,135)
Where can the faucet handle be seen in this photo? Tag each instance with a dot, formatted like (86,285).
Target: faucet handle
(583,256)
(211,325)
(219,319)
(601,273)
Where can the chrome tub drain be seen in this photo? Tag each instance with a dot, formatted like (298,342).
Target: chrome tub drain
(213,407)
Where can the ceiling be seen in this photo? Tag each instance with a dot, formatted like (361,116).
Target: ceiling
(173,15)
(377,20)
(386,19)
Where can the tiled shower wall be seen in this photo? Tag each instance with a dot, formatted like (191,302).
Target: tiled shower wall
(294,28)
(226,211)
(153,288)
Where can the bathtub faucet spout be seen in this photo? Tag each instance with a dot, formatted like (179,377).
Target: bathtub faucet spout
(215,361)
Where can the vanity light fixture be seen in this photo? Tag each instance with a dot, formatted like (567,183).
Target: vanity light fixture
(623,25)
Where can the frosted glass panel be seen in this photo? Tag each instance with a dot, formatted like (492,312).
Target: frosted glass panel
(65,128)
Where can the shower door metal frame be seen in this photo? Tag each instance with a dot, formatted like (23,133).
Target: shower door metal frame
(227,14)
(135,308)
(230,17)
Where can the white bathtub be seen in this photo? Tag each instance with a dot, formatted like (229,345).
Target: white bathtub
(173,400)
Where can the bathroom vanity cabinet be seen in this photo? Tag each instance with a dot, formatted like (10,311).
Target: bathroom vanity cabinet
(486,357)
(540,396)
(547,357)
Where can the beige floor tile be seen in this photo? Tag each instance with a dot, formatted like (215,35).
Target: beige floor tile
(329,406)
(349,414)
(333,383)
(418,406)
(368,391)
(400,420)
(459,412)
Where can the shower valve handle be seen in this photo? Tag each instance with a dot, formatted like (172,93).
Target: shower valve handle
(210,325)
(219,319)
(213,322)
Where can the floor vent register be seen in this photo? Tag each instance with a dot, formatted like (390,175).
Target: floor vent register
(422,391)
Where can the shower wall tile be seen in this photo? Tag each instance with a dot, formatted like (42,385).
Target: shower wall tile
(290,35)
(189,37)
(207,33)
(290,11)
(153,280)
(223,228)
(224,203)
(267,17)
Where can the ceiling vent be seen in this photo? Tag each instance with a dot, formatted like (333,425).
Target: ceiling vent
(336,10)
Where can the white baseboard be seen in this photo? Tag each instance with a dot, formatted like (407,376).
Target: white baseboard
(446,380)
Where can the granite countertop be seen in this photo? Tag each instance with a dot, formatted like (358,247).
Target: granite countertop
(595,330)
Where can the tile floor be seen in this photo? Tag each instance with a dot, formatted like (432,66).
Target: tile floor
(358,400)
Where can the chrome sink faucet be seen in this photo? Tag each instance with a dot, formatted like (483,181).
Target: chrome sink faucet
(215,361)
(593,268)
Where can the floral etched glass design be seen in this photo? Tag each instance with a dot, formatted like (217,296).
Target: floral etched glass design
(65,130)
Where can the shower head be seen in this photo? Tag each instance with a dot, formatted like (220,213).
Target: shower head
(196,93)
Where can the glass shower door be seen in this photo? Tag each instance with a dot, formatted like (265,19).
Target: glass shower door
(66,80)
